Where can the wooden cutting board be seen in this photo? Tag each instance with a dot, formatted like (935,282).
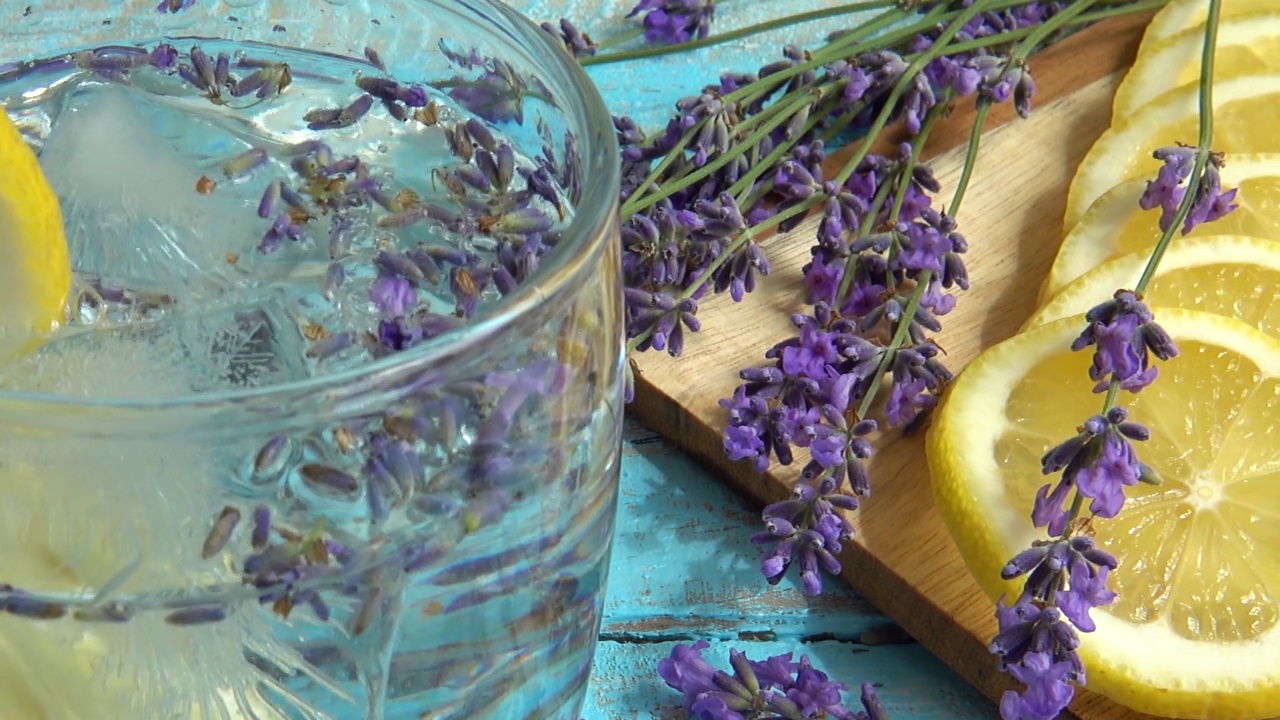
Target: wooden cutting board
(903,559)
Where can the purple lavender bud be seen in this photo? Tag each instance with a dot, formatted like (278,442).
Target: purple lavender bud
(1024,562)
(26,606)
(377,492)
(396,110)
(312,599)
(197,615)
(261,527)
(380,87)
(356,110)
(397,264)
(220,533)
(374,58)
(403,464)
(414,96)
(322,118)
(327,476)
(270,200)
(306,166)
(292,198)
(271,456)
(246,162)
(112,612)
(430,269)
(344,166)
(506,159)
(222,70)
(203,67)
(189,75)
(252,83)
(480,135)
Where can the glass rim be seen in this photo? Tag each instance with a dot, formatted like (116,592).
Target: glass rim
(580,244)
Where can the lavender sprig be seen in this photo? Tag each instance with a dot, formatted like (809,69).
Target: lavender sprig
(1066,576)
(675,21)
(778,688)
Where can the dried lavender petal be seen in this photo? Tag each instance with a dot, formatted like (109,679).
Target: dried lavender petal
(197,615)
(331,345)
(221,532)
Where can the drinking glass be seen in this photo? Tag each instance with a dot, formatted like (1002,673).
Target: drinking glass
(243,479)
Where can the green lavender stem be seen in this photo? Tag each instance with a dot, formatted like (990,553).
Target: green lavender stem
(901,333)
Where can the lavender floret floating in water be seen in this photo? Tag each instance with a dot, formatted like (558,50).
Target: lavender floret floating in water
(407,529)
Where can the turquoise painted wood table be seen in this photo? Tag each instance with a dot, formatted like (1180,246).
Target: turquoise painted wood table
(683,566)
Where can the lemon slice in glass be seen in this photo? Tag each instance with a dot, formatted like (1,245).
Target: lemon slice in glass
(35,278)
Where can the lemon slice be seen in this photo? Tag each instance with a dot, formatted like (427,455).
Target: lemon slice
(1247,43)
(1231,275)
(1181,15)
(1243,112)
(1195,632)
(1116,226)
(35,277)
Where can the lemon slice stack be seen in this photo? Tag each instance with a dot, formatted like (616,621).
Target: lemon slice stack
(1195,632)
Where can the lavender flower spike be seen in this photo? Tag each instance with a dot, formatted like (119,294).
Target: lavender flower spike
(1166,192)
(667,22)
(1124,333)
(775,688)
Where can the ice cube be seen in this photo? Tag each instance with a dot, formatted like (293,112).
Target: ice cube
(129,197)
(167,356)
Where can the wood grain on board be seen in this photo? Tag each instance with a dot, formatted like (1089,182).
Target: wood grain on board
(903,559)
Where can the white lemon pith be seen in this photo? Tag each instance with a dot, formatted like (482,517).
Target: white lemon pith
(1194,633)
